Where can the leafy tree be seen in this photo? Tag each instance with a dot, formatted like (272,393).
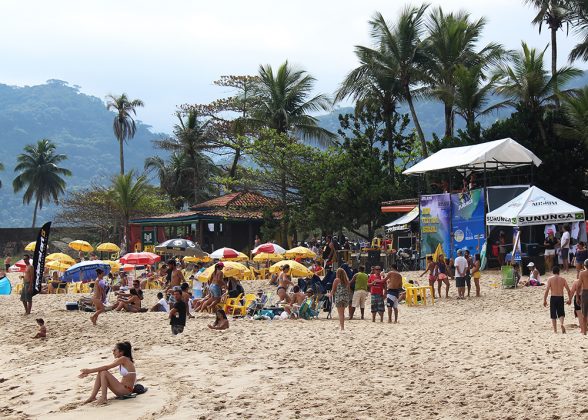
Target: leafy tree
(128,192)
(124,125)
(192,138)
(526,84)
(575,109)
(452,40)
(403,44)
(40,175)
(283,103)
(554,13)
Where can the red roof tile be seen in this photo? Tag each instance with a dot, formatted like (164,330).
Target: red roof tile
(241,199)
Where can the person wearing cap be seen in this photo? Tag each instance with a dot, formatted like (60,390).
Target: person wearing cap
(100,295)
(534,275)
(550,243)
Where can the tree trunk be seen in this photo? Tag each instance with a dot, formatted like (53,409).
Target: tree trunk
(388,135)
(448,120)
(122,157)
(236,158)
(417,124)
(35,211)
(283,193)
(554,66)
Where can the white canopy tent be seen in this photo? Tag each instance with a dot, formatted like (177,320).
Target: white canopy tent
(402,222)
(534,207)
(497,154)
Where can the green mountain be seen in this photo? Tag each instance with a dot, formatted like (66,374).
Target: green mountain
(81,127)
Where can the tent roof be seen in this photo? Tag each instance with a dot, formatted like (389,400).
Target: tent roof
(534,207)
(497,154)
(401,221)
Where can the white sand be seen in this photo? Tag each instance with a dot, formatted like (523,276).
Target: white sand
(489,357)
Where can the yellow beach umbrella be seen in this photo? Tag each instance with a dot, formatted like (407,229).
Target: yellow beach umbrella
(300,252)
(203,259)
(264,256)
(230,269)
(61,257)
(114,265)
(296,269)
(81,246)
(58,265)
(108,247)
(241,257)
(31,247)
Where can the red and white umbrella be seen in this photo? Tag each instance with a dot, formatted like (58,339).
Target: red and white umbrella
(269,248)
(224,253)
(140,258)
(18,267)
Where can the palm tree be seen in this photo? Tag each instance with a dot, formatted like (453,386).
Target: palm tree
(554,13)
(124,126)
(127,193)
(452,40)
(283,103)
(575,109)
(472,93)
(1,169)
(526,83)
(192,137)
(41,175)
(402,43)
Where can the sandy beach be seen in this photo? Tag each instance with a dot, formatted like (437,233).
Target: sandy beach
(489,357)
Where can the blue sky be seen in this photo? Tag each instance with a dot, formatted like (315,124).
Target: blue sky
(169,52)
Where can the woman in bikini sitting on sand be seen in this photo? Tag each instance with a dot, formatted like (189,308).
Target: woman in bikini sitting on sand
(130,304)
(105,380)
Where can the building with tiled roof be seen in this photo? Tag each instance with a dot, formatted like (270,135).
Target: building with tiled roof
(229,220)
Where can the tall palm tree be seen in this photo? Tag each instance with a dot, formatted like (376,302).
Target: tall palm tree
(127,193)
(575,109)
(402,43)
(472,94)
(192,137)
(375,85)
(283,102)
(124,126)
(526,83)
(452,40)
(40,175)
(554,13)
(1,169)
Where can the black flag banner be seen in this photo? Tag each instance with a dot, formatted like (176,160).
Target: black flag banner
(39,256)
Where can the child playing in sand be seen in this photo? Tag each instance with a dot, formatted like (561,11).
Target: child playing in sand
(556,284)
(42,329)
(221,322)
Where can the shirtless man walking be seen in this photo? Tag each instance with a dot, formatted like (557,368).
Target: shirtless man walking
(556,284)
(176,276)
(393,289)
(583,278)
(26,295)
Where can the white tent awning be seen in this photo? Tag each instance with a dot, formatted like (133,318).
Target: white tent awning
(497,154)
(402,222)
(534,207)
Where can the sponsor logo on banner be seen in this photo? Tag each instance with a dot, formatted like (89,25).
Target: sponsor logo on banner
(501,219)
(579,216)
(564,217)
(541,201)
(39,256)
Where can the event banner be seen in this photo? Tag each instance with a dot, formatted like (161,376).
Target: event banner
(467,220)
(435,223)
(39,256)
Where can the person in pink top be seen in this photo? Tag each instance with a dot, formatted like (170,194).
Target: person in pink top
(377,287)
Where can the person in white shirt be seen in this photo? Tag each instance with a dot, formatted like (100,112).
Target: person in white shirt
(161,305)
(565,247)
(461,268)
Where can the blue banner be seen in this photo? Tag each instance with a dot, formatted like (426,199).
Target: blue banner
(468,221)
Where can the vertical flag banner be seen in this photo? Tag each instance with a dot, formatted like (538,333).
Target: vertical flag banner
(39,256)
(435,223)
(468,221)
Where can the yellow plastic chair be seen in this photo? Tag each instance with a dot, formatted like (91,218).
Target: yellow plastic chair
(18,288)
(242,309)
(152,284)
(229,303)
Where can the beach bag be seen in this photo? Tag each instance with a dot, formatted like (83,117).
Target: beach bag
(139,389)
(72,306)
